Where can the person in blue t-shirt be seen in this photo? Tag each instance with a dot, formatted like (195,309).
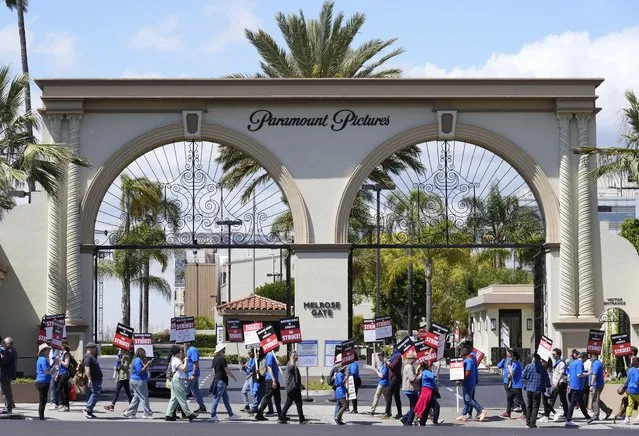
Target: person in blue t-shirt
(139,385)
(468,387)
(248,383)
(382,383)
(353,371)
(193,368)
(62,382)
(596,387)
(632,388)
(504,366)
(43,377)
(515,392)
(576,381)
(340,395)
(272,381)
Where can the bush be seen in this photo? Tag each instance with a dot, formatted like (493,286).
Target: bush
(201,341)
(24,381)
(108,350)
(317,386)
(276,291)
(204,323)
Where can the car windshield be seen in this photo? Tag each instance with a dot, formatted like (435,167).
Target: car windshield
(161,353)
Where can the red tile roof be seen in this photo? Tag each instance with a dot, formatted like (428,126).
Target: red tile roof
(253,302)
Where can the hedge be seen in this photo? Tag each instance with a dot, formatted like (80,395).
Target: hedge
(201,341)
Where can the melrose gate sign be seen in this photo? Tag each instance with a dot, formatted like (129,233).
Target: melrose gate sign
(340,120)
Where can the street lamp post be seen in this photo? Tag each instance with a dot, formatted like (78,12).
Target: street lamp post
(429,293)
(229,223)
(378,188)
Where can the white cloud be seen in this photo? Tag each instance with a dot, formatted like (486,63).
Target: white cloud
(572,54)
(130,73)
(60,47)
(161,36)
(238,16)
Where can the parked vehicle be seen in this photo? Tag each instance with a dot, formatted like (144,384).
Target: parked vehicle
(157,371)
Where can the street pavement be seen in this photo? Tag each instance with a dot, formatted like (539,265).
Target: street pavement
(319,412)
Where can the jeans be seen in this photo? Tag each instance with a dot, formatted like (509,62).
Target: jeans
(379,392)
(140,395)
(343,405)
(258,393)
(560,391)
(248,384)
(597,404)
(294,396)
(8,395)
(62,386)
(94,393)
(53,391)
(274,393)
(43,391)
(220,392)
(469,401)
(194,387)
(534,398)
(516,393)
(122,384)
(394,393)
(576,399)
(412,400)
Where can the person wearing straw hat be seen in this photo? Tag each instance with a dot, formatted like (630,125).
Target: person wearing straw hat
(220,383)
(411,384)
(43,377)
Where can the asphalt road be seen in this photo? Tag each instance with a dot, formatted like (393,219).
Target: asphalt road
(489,393)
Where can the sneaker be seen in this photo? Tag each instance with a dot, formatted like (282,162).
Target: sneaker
(282,421)
(482,416)
(336,421)
(270,413)
(259,417)
(146,416)
(246,409)
(403,421)
(462,418)
(398,416)
(202,409)
(626,421)
(505,415)
(109,408)
(214,418)
(304,421)
(591,420)
(522,418)
(170,418)
(517,409)
(234,417)
(128,415)
(544,419)
(88,415)
(637,419)
(385,417)
(557,417)
(53,406)
(571,424)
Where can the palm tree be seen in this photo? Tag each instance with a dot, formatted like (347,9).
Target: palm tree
(21,7)
(21,158)
(317,48)
(620,161)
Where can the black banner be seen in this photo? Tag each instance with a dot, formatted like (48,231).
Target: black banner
(290,330)
(348,351)
(234,330)
(405,346)
(268,338)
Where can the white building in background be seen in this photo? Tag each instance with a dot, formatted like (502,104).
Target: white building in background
(617,200)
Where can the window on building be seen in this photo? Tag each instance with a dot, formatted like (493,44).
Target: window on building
(471,324)
(604,208)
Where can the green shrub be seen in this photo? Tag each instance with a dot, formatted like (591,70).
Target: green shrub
(108,350)
(24,381)
(317,386)
(201,341)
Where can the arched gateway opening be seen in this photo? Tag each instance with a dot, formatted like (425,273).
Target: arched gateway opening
(181,206)
(435,223)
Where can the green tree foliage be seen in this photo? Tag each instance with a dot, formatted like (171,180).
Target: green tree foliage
(358,328)
(204,323)
(276,291)
(630,231)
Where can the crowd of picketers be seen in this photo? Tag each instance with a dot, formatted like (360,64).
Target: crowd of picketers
(577,382)
(574,382)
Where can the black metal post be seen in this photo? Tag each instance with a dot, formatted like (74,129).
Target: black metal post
(350,293)
(378,266)
(95,298)
(289,293)
(229,223)
(539,278)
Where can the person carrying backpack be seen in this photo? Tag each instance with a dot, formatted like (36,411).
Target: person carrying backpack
(65,373)
(259,383)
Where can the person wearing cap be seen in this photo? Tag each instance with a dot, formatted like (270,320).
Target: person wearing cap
(411,385)
(576,381)
(340,393)
(43,377)
(179,385)
(272,380)
(536,380)
(596,387)
(93,374)
(382,383)
(220,382)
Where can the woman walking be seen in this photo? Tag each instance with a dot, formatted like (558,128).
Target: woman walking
(43,377)
(220,382)
(62,381)
(429,385)
(139,383)
(179,385)
(632,388)
(353,371)
(122,367)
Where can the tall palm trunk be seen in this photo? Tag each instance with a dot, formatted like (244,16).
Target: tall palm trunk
(145,297)
(125,303)
(141,307)
(25,60)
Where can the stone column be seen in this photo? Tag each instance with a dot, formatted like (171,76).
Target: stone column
(56,283)
(584,252)
(567,303)
(74,287)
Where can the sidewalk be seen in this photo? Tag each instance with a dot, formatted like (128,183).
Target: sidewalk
(316,413)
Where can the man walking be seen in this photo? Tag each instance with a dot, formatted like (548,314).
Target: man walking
(382,383)
(93,374)
(516,386)
(248,383)
(193,368)
(272,381)
(536,381)
(8,368)
(468,388)
(596,387)
(293,390)
(576,380)
(395,385)
(559,385)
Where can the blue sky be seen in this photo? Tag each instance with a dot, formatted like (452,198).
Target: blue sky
(162,38)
